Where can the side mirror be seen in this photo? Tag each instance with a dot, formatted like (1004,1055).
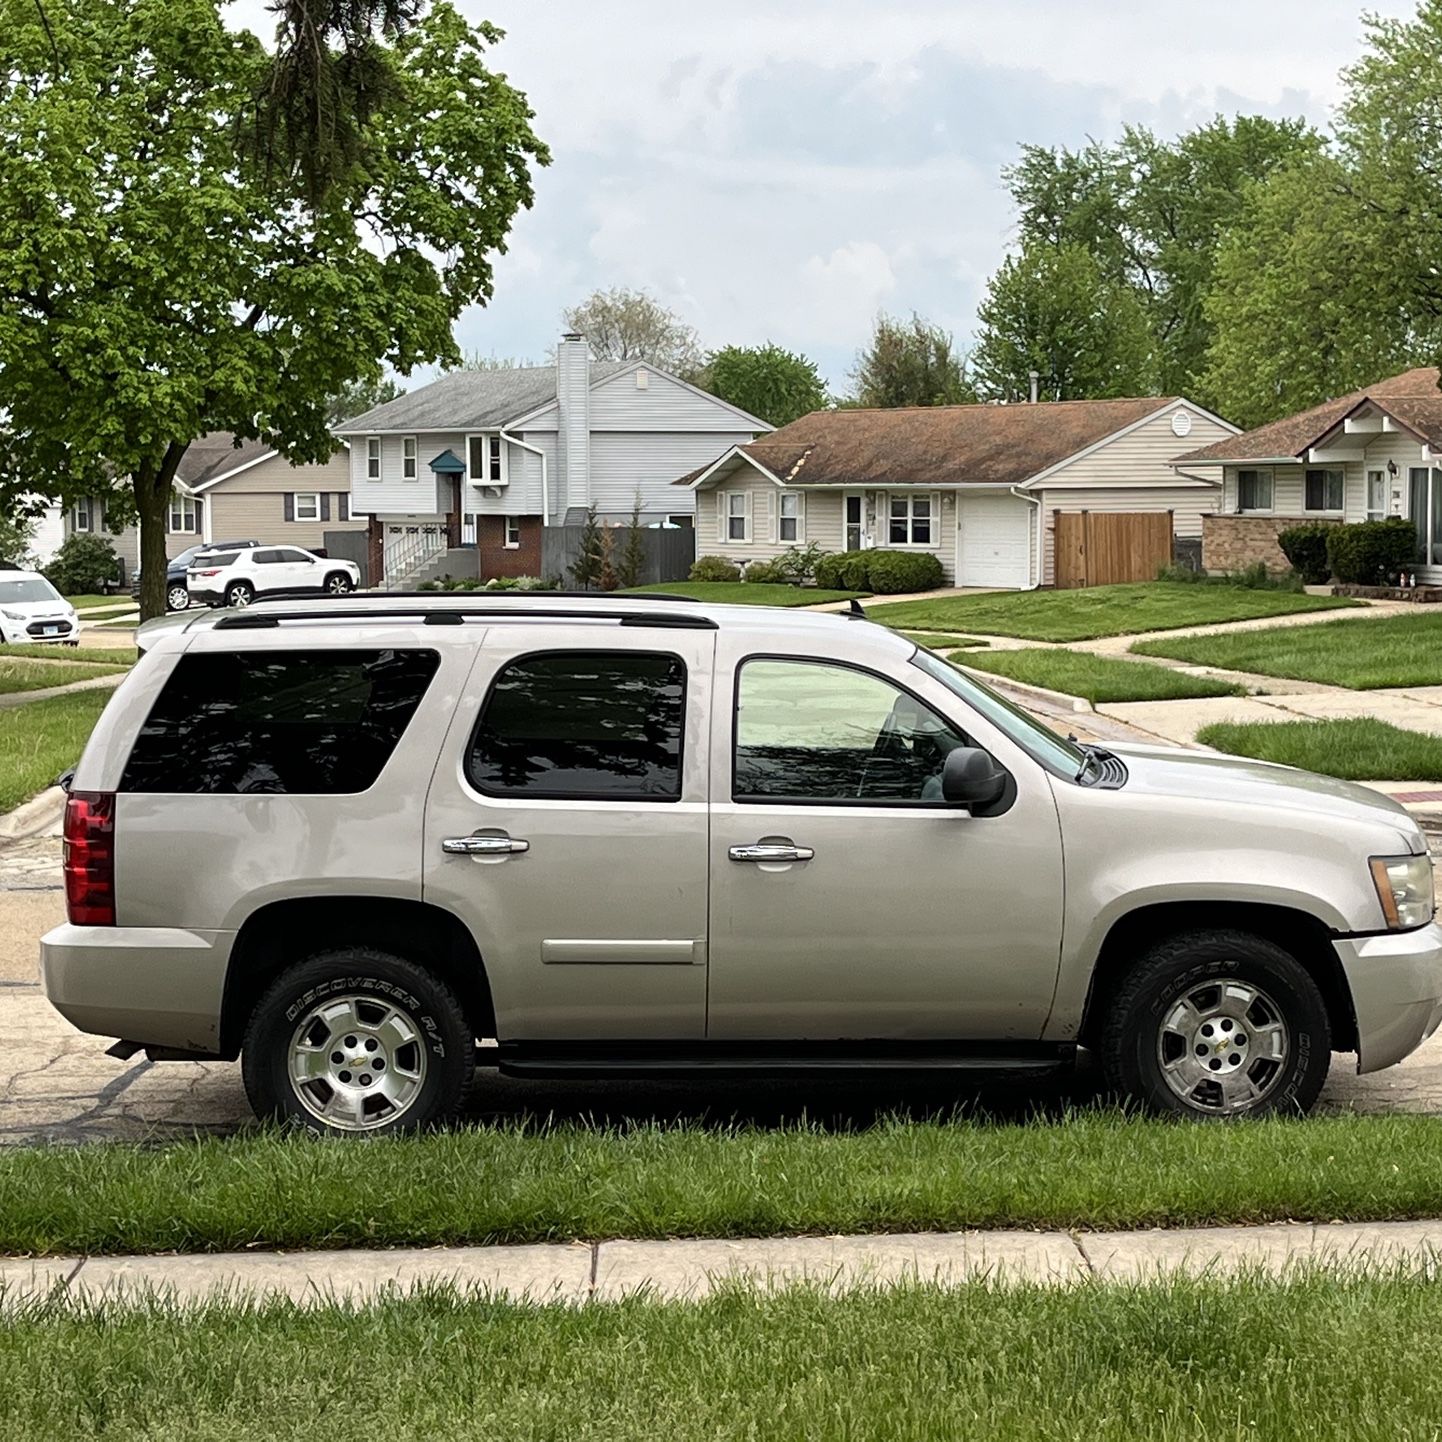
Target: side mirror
(971,778)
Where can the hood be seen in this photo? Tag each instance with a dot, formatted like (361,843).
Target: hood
(52,610)
(1172,771)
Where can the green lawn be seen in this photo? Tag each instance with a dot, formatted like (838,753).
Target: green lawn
(1356,750)
(742,593)
(105,655)
(937,641)
(128,623)
(1357,652)
(515,1183)
(1322,1355)
(39,740)
(1097,678)
(84,603)
(1099,611)
(23,674)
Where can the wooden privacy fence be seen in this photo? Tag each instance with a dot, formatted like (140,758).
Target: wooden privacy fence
(1102,548)
(669,553)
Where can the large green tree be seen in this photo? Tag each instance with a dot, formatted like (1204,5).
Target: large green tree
(766,380)
(1052,311)
(910,363)
(159,279)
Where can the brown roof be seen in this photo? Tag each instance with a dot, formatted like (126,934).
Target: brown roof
(1290,436)
(215,453)
(940,445)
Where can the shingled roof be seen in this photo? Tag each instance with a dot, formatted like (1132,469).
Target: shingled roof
(214,454)
(939,445)
(1413,393)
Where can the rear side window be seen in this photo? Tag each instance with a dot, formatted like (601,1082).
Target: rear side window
(603,725)
(320,723)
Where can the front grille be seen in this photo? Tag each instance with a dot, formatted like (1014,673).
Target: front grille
(48,628)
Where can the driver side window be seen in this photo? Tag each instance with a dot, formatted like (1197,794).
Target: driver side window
(821,732)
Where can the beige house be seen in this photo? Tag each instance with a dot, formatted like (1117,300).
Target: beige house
(229,492)
(1374,453)
(978,486)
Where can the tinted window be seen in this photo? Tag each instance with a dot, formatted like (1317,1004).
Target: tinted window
(307,722)
(211,562)
(266,558)
(293,555)
(28,590)
(583,723)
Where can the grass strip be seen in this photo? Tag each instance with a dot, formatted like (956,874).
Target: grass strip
(22,674)
(1097,611)
(746,593)
(1360,749)
(1322,1355)
(517,1183)
(102,655)
(39,740)
(938,641)
(1361,653)
(1098,678)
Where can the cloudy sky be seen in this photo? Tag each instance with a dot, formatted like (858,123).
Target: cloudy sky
(784,171)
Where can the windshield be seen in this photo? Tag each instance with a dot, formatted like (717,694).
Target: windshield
(34,589)
(1038,741)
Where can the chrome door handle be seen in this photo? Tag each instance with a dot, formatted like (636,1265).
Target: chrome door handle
(482,845)
(763,852)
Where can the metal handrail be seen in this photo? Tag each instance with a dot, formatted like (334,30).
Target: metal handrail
(417,544)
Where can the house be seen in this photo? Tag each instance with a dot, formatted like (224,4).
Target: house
(978,486)
(1374,453)
(480,462)
(230,492)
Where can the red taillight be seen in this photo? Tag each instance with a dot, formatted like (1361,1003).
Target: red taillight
(90,858)
(215,572)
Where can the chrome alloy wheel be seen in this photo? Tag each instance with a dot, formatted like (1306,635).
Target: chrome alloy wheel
(1223,1046)
(357,1062)
(178,598)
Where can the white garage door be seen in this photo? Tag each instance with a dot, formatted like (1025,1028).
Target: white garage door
(993,541)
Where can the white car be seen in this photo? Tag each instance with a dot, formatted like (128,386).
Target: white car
(31,609)
(236,578)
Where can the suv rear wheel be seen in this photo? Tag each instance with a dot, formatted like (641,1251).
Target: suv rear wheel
(358,1041)
(1218,1024)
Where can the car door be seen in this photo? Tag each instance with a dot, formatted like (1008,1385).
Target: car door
(566,825)
(848,900)
(263,568)
(301,570)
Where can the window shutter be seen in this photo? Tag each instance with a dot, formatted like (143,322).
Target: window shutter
(344,498)
(722,529)
(290,506)
(325,505)
(199,516)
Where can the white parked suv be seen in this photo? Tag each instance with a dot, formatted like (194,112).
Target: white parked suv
(236,578)
(32,610)
(347,839)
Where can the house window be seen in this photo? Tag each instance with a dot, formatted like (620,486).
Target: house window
(307,506)
(1425,495)
(788,518)
(1254,490)
(81,515)
(1323,491)
(686,522)
(738,515)
(408,458)
(1376,495)
(485,461)
(373,458)
(182,514)
(910,521)
(513,533)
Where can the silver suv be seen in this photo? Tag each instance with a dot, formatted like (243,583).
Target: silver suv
(346,839)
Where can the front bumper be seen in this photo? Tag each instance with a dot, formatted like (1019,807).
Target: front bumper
(157,985)
(41,633)
(1396,985)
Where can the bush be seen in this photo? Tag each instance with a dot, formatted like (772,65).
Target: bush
(82,565)
(772,573)
(798,564)
(842,571)
(890,572)
(1306,548)
(1371,553)
(1255,577)
(715,568)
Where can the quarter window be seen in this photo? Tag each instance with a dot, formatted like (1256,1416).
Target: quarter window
(320,723)
(810,731)
(600,724)
(1254,490)
(1324,490)
(408,458)
(788,522)
(910,521)
(373,458)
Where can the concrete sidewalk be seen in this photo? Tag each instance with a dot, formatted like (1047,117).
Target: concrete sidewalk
(581,1272)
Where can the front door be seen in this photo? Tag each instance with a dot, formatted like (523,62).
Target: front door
(848,902)
(566,826)
(855,522)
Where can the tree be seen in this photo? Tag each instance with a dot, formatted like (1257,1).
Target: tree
(910,363)
(591,555)
(630,325)
(632,565)
(474,360)
(766,381)
(17,531)
(1051,310)
(157,283)
(361,396)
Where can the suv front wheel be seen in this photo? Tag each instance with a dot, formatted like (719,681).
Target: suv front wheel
(1218,1024)
(358,1041)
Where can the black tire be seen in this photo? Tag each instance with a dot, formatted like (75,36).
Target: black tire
(177,598)
(1134,1037)
(338,584)
(239,593)
(361,972)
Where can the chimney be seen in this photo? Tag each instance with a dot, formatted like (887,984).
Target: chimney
(573,444)
(1035,385)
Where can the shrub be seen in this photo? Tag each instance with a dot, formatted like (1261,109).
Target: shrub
(1255,577)
(798,564)
(82,565)
(1306,548)
(843,571)
(828,569)
(1371,553)
(772,572)
(715,568)
(891,572)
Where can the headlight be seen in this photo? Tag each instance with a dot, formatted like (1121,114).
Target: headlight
(13,615)
(1404,887)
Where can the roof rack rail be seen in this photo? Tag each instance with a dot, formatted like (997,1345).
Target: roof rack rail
(247,620)
(513,596)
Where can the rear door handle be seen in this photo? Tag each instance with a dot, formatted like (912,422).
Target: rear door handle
(767,852)
(482,846)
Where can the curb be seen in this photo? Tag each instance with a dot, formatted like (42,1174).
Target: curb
(32,816)
(1025,688)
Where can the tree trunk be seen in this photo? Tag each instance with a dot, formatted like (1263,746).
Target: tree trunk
(153,482)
